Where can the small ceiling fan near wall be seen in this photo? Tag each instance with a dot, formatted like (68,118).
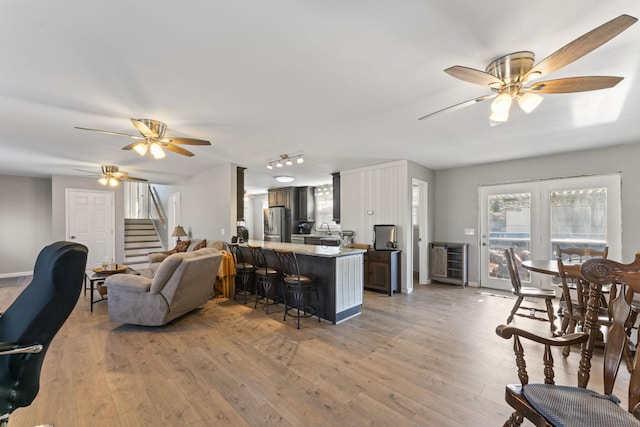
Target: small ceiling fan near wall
(512,76)
(111,175)
(152,139)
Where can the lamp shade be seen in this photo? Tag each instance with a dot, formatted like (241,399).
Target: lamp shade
(178,232)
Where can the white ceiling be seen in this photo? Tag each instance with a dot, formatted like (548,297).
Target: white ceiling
(341,81)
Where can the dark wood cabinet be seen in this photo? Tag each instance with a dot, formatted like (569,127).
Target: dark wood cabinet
(382,271)
(240,193)
(306,204)
(336,197)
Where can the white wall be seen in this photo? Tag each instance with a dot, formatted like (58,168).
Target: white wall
(209,203)
(25,222)
(258,203)
(384,191)
(456,192)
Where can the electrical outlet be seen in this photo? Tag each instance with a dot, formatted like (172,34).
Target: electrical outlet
(222,232)
(469,231)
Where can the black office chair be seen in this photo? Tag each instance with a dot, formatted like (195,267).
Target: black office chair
(30,323)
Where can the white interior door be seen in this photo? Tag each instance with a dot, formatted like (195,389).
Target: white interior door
(90,221)
(534,217)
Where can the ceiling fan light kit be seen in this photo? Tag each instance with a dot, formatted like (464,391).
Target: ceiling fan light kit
(152,139)
(510,76)
(111,175)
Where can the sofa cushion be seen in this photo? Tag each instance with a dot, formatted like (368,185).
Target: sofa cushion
(200,245)
(181,246)
(171,263)
(130,282)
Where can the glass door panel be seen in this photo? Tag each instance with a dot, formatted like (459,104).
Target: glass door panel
(506,222)
(578,219)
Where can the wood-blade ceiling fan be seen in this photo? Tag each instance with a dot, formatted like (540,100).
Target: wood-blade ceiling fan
(511,76)
(152,139)
(112,175)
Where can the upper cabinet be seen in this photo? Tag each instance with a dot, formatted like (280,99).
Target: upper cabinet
(281,197)
(336,197)
(240,193)
(306,210)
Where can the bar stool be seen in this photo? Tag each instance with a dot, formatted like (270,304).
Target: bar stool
(245,272)
(266,278)
(297,288)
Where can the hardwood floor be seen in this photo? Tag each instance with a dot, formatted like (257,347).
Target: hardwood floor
(430,358)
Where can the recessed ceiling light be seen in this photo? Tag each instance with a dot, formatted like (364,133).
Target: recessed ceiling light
(284,178)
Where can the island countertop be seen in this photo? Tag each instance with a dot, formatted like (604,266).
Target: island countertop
(311,250)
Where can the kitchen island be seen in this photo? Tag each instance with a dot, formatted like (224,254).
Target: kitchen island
(339,271)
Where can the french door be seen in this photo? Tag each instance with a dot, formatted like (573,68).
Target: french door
(534,217)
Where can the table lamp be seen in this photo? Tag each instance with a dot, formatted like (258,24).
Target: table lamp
(178,232)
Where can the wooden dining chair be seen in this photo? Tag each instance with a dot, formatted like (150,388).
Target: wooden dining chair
(575,290)
(522,292)
(548,404)
(573,255)
(579,255)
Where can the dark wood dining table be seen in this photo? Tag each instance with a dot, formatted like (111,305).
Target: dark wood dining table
(545,266)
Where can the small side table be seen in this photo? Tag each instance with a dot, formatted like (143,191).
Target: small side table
(96,279)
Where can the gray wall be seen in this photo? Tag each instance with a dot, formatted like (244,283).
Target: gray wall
(456,192)
(25,222)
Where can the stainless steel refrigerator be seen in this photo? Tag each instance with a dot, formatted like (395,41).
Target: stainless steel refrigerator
(275,224)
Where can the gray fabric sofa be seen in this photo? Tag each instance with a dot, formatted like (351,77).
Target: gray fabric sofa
(156,258)
(182,282)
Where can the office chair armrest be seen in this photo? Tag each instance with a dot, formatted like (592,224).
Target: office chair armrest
(13,348)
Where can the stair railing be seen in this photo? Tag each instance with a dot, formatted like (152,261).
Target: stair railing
(154,198)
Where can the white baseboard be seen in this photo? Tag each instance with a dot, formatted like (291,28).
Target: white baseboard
(9,275)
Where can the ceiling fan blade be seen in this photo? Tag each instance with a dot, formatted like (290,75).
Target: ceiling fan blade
(86,171)
(460,105)
(132,178)
(111,133)
(186,141)
(583,45)
(130,146)
(142,128)
(474,76)
(575,84)
(178,150)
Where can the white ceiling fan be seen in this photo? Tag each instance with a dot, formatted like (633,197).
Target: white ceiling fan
(511,77)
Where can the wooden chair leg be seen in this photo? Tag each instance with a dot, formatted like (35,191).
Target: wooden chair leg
(570,329)
(515,420)
(515,308)
(564,326)
(549,303)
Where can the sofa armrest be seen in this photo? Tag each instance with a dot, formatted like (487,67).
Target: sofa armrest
(157,256)
(128,282)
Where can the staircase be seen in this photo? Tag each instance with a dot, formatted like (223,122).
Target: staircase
(140,239)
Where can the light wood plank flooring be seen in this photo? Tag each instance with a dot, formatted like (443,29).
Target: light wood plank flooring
(430,358)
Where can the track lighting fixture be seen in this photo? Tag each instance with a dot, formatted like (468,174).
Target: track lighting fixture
(285,159)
